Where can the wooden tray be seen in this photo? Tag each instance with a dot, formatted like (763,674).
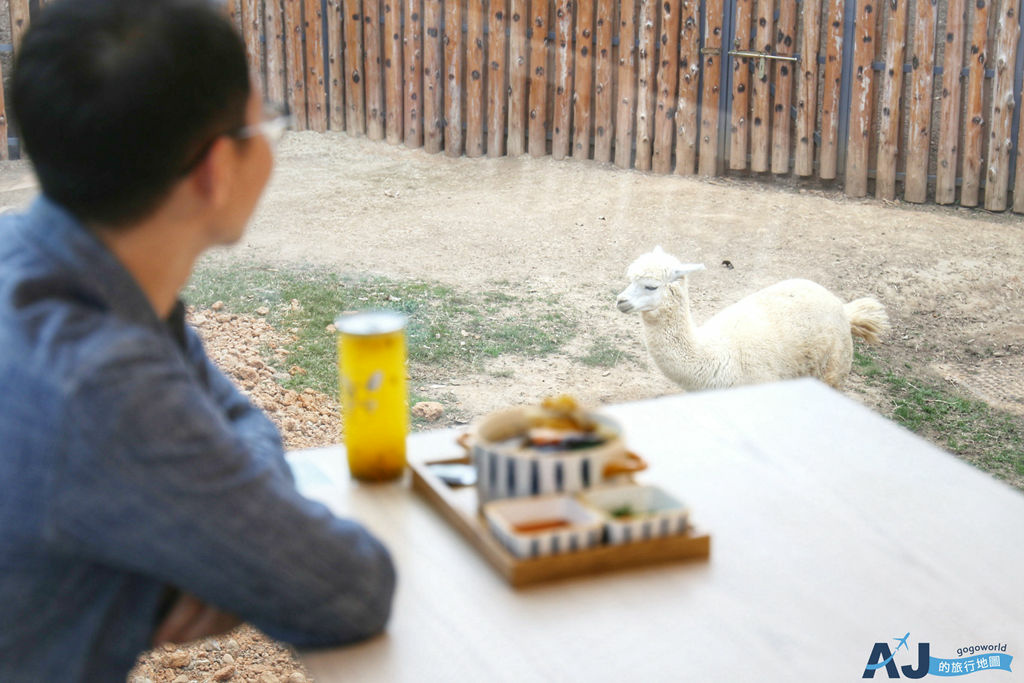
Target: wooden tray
(458,505)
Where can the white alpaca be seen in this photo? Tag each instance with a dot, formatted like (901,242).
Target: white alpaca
(795,328)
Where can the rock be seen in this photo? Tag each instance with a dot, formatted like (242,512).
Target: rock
(141,679)
(267,677)
(181,679)
(262,310)
(296,677)
(176,660)
(231,645)
(224,673)
(428,410)
(296,370)
(217,305)
(211,645)
(330,329)
(227,659)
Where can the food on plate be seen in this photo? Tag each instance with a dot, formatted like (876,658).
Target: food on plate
(560,424)
(539,525)
(623,511)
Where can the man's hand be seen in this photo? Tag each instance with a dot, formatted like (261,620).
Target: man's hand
(191,619)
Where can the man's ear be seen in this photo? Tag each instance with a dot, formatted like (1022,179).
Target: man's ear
(213,177)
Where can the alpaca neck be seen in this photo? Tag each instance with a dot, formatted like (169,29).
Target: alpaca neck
(673,341)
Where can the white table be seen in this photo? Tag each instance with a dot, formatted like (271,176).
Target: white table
(832,528)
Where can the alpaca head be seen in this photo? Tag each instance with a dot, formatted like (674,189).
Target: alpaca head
(648,277)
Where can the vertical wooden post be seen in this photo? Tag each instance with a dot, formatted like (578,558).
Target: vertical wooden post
(355,83)
(739,131)
(252,31)
(974,118)
(689,87)
(518,58)
(273,23)
(475,78)
(583,85)
(860,99)
(316,85)
(413,41)
(949,113)
(707,164)
(296,77)
(372,70)
(889,114)
(453,65)
(433,78)
(915,187)
(563,79)
(761,111)
(394,118)
(1018,185)
(497,87)
(624,117)
(647,66)
(668,77)
(807,88)
(828,161)
(1000,140)
(603,75)
(335,66)
(234,9)
(19,21)
(538,142)
(785,41)
(4,151)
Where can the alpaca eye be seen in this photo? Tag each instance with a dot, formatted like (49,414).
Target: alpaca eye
(650,288)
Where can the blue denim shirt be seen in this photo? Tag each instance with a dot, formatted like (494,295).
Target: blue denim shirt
(130,468)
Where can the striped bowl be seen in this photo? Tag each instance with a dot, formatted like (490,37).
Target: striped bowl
(506,519)
(655,513)
(505,470)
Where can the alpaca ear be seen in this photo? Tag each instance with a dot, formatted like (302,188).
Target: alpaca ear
(684,269)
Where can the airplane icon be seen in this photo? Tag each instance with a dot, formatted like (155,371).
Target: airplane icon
(903,643)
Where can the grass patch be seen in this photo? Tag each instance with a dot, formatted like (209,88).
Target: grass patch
(604,353)
(991,439)
(448,329)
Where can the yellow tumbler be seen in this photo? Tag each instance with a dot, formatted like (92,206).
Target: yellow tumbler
(374,400)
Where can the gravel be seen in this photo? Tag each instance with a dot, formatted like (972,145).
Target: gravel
(252,354)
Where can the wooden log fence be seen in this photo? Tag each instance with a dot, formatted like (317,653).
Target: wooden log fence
(889,99)
(916,100)
(831,89)
(949,105)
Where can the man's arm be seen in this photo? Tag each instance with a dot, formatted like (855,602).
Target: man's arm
(248,422)
(157,480)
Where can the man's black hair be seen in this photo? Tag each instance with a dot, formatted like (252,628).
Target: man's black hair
(115,99)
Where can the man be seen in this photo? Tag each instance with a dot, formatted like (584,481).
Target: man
(142,498)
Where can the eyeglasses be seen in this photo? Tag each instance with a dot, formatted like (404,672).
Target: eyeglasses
(272,128)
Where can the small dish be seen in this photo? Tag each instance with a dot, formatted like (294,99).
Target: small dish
(508,469)
(543,525)
(636,512)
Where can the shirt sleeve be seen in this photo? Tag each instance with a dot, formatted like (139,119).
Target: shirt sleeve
(248,422)
(155,478)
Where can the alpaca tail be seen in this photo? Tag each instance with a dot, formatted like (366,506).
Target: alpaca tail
(868,319)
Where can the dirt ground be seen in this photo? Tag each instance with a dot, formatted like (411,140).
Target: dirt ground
(951,279)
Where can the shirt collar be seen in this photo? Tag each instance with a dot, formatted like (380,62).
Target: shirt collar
(80,252)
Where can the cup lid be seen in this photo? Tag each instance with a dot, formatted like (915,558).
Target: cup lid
(371,322)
